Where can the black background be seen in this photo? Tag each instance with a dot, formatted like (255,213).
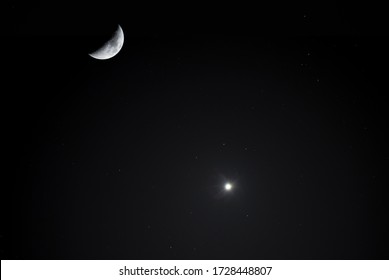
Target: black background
(127,158)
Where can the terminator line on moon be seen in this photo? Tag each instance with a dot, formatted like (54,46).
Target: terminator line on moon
(111,47)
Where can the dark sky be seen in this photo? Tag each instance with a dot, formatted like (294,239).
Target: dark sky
(127,158)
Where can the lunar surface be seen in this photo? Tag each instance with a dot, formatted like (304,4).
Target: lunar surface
(111,47)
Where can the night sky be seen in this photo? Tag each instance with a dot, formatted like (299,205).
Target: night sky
(127,158)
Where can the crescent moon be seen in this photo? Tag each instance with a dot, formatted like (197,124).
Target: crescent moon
(112,47)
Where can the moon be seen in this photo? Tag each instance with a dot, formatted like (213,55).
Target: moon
(112,47)
(228,186)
